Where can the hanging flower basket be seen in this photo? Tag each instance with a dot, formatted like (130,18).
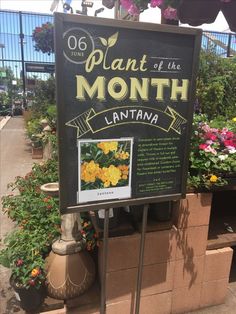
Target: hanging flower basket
(43,38)
(195,12)
(135,7)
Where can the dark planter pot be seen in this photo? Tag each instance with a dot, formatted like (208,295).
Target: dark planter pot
(195,12)
(229,11)
(30,299)
(136,212)
(114,217)
(161,211)
(157,211)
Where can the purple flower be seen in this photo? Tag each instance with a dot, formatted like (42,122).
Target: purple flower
(170,13)
(156,3)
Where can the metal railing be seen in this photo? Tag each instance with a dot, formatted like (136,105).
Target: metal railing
(17,46)
(223,44)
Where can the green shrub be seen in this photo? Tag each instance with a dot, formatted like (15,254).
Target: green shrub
(216,85)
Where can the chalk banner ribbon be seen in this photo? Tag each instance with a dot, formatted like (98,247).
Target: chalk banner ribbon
(90,121)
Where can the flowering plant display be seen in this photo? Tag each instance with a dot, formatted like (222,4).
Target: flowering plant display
(43,38)
(104,164)
(38,224)
(212,155)
(135,7)
(37,221)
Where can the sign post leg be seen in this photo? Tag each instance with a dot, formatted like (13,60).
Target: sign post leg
(104,262)
(141,257)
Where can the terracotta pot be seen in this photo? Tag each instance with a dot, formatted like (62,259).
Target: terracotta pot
(30,299)
(37,152)
(69,276)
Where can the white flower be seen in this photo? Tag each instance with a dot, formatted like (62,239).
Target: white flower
(223,157)
(232,150)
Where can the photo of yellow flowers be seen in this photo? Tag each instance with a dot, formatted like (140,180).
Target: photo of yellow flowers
(105,165)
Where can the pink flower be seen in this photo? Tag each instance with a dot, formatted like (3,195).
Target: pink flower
(205,127)
(229,135)
(133,10)
(170,13)
(156,3)
(130,7)
(209,142)
(19,262)
(209,149)
(126,4)
(223,131)
(203,146)
(229,143)
(210,136)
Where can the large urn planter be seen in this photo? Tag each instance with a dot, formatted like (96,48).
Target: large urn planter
(31,298)
(70,269)
(69,276)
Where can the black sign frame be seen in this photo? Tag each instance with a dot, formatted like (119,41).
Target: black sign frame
(64,158)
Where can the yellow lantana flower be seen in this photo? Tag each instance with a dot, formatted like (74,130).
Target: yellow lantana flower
(89,171)
(110,175)
(234,119)
(213,178)
(124,170)
(107,147)
(122,155)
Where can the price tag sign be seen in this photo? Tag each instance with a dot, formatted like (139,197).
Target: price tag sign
(125,104)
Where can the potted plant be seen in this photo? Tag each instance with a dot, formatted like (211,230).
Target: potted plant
(26,262)
(37,224)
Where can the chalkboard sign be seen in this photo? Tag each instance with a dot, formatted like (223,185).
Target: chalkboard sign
(125,104)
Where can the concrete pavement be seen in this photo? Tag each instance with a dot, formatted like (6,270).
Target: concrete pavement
(15,159)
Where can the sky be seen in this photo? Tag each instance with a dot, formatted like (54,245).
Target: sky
(150,15)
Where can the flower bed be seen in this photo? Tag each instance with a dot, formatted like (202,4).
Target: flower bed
(212,155)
